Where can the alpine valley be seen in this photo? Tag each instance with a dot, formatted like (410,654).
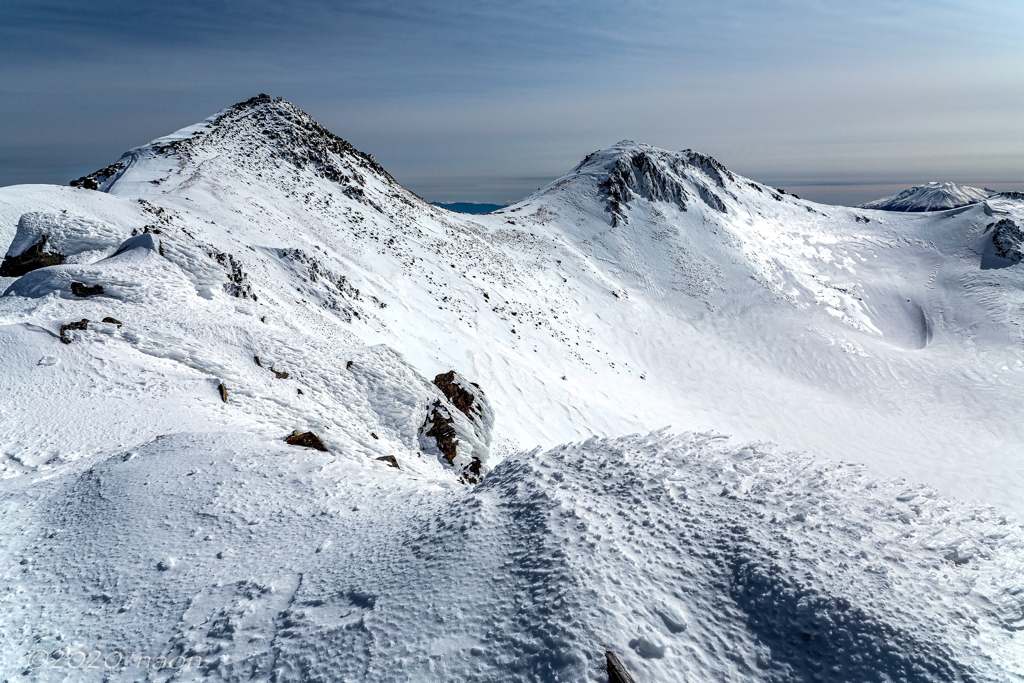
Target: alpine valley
(269,416)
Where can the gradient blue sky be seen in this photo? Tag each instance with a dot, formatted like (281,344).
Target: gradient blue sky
(485,101)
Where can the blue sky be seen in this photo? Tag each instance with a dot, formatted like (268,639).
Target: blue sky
(486,101)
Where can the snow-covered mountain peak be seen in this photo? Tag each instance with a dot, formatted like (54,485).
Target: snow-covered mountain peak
(932,196)
(260,134)
(629,170)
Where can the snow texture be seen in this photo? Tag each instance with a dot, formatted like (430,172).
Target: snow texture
(254,274)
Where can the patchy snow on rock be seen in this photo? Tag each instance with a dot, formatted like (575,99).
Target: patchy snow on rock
(458,428)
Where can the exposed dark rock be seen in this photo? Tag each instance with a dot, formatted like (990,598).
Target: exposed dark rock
(1008,239)
(374,435)
(279,375)
(223,391)
(82,324)
(462,442)
(33,258)
(460,397)
(469,399)
(83,290)
(238,282)
(658,176)
(441,430)
(390,460)
(96,179)
(112,321)
(348,365)
(257,359)
(616,669)
(638,174)
(307,439)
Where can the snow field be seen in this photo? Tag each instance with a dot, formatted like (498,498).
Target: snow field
(692,557)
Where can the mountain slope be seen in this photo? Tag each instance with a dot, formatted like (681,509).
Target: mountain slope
(931,196)
(263,276)
(786,308)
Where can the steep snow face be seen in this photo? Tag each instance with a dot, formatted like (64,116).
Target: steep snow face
(253,275)
(931,196)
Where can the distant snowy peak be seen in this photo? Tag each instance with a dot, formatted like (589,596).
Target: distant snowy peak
(931,197)
(250,134)
(629,170)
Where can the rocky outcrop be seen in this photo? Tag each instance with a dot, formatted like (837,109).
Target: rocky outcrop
(469,399)
(1008,239)
(458,426)
(238,284)
(103,178)
(643,172)
(46,239)
(36,256)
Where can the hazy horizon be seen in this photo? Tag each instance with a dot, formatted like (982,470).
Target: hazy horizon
(485,102)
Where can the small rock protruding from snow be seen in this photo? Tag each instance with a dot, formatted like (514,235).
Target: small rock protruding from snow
(391,460)
(82,324)
(306,439)
(80,289)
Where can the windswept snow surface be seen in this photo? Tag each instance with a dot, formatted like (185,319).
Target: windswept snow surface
(258,254)
(931,196)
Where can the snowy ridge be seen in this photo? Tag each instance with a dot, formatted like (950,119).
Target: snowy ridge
(931,196)
(254,275)
(690,556)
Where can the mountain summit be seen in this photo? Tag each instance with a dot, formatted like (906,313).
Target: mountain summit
(270,416)
(931,196)
(262,134)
